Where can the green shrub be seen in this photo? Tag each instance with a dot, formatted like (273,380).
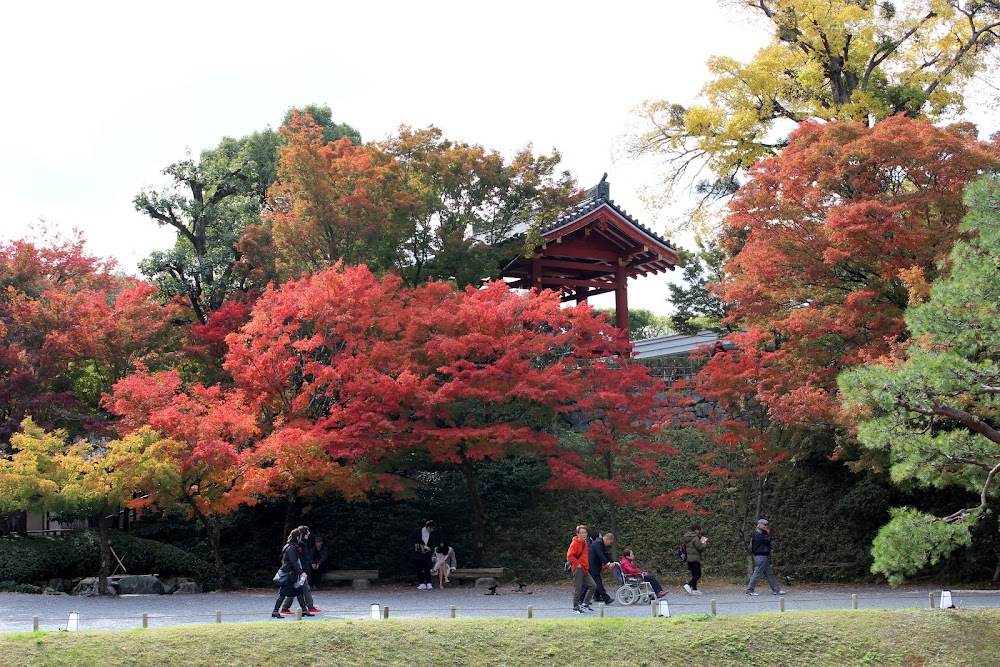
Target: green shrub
(25,560)
(28,559)
(150,557)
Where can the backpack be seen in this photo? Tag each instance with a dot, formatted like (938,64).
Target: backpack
(682,553)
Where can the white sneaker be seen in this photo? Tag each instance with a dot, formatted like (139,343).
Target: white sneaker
(430,586)
(421,587)
(696,593)
(687,588)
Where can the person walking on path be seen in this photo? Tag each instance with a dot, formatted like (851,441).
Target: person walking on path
(760,548)
(579,561)
(305,562)
(599,562)
(292,567)
(629,568)
(695,545)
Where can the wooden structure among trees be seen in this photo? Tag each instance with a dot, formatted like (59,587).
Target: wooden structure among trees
(591,250)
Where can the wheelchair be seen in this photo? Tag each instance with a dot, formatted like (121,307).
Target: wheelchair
(633,589)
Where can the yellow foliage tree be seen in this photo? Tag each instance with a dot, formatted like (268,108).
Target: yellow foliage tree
(832,59)
(44,472)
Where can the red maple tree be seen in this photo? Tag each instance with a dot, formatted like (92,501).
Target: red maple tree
(71,329)
(297,356)
(354,376)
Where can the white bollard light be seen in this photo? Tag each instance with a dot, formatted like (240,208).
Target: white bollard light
(662,608)
(946,600)
(376,612)
(74,622)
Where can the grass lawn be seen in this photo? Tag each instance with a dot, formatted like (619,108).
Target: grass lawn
(913,637)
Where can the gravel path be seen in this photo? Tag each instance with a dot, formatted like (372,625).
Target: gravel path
(17,611)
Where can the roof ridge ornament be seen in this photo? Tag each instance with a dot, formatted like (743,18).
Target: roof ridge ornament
(600,191)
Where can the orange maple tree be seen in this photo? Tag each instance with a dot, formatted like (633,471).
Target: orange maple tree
(417,204)
(195,450)
(332,201)
(825,240)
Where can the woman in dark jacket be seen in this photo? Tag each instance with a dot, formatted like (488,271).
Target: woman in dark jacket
(290,564)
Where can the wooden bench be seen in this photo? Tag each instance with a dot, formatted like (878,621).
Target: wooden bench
(479,573)
(360,579)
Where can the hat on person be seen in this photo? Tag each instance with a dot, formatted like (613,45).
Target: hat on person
(303,530)
(761,522)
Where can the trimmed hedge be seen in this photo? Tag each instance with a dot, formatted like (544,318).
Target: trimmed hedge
(26,560)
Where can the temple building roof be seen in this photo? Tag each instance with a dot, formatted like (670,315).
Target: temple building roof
(584,250)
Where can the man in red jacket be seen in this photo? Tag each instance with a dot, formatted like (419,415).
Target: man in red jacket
(579,561)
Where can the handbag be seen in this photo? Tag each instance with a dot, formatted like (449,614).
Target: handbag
(281,577)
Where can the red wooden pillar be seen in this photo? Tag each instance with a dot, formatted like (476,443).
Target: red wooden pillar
(621,298)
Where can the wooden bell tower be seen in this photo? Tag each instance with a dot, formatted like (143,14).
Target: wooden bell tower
(593,249)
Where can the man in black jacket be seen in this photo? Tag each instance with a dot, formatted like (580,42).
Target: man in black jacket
(600,561)
(318,555)
(422,540)
(760,548)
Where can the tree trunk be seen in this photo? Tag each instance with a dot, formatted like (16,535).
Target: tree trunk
(216,541)
(213,530)
(468,469)
(609,470)
(613,526)
(104,530)
(291,517)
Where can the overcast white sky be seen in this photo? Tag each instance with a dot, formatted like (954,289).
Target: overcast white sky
(101,96)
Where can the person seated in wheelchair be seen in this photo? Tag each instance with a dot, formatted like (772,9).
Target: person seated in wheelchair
(633,573)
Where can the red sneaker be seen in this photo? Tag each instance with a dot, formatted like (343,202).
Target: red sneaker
(288,612)
(314,610)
